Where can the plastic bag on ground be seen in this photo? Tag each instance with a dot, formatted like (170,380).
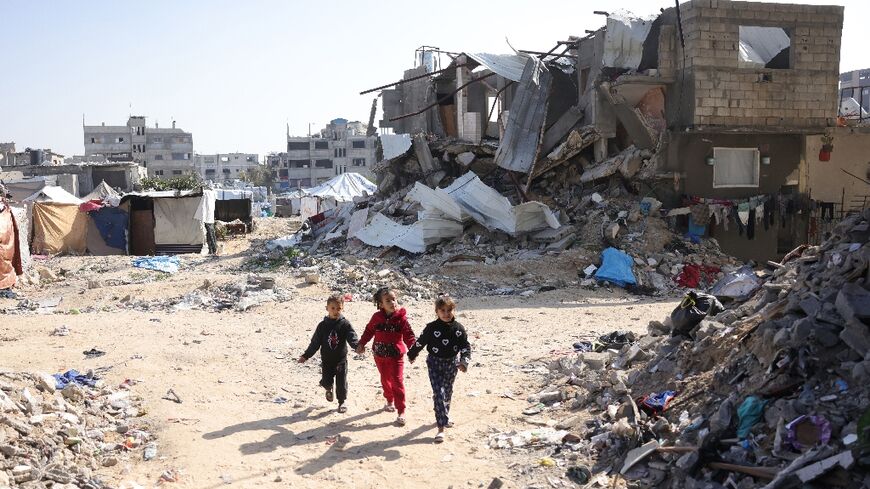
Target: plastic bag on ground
(694,308)
(616,268)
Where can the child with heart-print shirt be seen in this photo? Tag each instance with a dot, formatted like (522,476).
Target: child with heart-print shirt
(446,341)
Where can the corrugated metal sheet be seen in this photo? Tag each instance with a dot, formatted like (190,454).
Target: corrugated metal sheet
(382,231)
(510,66)
(623,42)
(395,145)
(494,211)
(519,146)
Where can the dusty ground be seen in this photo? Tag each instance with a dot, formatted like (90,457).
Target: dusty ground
(229,367)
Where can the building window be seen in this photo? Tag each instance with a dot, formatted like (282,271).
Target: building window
(249,159)
(177,172)
(177,156)
(321,144)
(299,163)
(158,157)
(323,164)
(359,162)
(736,167)
(157,140)
(119,140)
(283,173)
(764,47)
(210,172)
(226,171)
(225,158)
(358,144)
(158,173)
(298,145)
(93,140)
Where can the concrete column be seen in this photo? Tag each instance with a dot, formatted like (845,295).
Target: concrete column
(599,149)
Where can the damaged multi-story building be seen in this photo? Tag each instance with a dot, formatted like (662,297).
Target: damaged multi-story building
(725,111)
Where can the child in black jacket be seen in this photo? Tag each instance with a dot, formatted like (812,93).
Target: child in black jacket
(331,337)
(445,340)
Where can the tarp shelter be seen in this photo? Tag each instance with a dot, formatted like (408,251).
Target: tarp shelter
(10,254)
(58,224)
(107,231)
(344,188)
(102,192)
(164,222)
(234,204)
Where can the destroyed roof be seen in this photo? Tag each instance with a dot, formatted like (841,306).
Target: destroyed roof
(344,187)
(509,66)
(53,194)
(395,145)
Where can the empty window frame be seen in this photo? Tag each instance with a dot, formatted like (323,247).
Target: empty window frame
(323,164)
(298,145)
(299,163)
(119,140)
(321,144)
(736,167)
(158,157)
(177,172)
(93,140)
(359,162)
(358,144)
(764,47)
(210,172)
(158,173)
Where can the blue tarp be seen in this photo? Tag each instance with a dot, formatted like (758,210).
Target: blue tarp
(616,268)
(112,224)
(73,377)
(168,264)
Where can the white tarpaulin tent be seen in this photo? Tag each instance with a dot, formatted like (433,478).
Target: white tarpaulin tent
(344,187)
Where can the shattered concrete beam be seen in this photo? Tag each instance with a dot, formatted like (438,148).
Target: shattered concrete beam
(424,157)
(561,128)
(631,119)
(577,141)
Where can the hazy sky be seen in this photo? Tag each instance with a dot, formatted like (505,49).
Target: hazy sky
(235,73)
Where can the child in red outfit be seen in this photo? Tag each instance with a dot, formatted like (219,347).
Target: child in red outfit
(392,337)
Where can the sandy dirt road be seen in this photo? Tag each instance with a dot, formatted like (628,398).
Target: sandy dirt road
(229,368)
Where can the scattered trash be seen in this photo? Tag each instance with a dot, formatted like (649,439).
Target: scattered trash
(166,264)
(62,330)
(93,353)
(749,413)
(172,396)
(808,431)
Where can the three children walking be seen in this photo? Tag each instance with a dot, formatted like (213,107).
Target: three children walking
(445,340)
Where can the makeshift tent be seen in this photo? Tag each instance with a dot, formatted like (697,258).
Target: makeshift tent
(107,231)
(10,255)
(344,188)
(58,224)
(23,222)
(234,204)
(164,222)
(102,192)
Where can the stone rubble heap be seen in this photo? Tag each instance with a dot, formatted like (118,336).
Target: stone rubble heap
(64,438)
(773,392)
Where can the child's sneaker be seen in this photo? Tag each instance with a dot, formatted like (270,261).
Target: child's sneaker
(329,395)
(342,408)
(400,421)
(389,408)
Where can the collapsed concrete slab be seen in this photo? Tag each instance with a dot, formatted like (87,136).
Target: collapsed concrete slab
(382,231)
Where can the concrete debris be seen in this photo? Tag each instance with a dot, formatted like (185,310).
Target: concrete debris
(67,438)
(680,394)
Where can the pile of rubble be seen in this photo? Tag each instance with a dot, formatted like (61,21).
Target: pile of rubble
(239,297)
(61,431)
(771,393)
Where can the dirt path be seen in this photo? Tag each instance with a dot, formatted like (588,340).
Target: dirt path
(229,367)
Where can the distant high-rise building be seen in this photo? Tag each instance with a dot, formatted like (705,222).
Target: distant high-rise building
(164,152)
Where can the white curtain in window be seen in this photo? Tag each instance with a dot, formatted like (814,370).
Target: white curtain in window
(735,167)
